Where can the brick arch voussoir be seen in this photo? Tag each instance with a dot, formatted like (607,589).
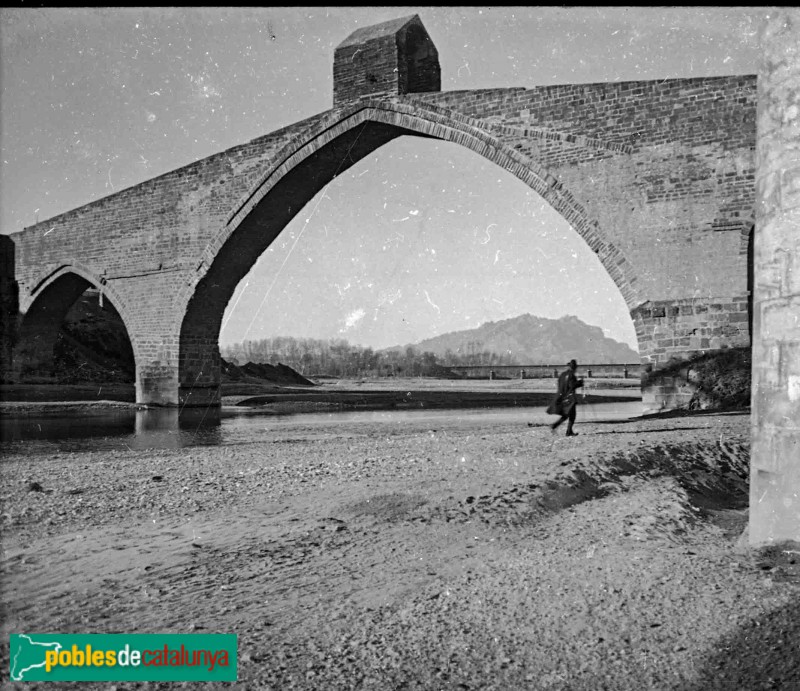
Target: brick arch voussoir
(748,225)
(439,123)
(84,272)
(89,276)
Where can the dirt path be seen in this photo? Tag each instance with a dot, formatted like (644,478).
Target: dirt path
(363,556)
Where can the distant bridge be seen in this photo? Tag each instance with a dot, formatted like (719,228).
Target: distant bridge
(624,371)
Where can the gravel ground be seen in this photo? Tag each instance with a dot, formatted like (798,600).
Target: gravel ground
(378,556)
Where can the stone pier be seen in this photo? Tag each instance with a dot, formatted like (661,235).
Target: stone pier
(775,456)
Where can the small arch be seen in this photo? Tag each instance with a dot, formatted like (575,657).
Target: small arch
(82,271)
(47,304)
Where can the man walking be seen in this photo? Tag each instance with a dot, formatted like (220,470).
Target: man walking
(566,399)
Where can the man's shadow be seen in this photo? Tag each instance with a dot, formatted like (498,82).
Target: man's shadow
(673,414)
(641,432)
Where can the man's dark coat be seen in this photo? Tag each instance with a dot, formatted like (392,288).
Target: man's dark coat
(566,398)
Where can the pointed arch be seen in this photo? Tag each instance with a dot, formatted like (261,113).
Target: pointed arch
(308,163)
(45,307)
(82,271)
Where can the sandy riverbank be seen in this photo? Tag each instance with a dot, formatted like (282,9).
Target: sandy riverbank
(377,556)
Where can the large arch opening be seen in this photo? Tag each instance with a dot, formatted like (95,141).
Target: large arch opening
(73,334)
(307,167)
(420,239)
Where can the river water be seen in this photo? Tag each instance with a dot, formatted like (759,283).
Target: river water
(168,429)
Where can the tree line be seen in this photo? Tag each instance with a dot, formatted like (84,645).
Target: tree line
(339,358)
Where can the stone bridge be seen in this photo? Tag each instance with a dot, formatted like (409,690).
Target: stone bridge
(656,177)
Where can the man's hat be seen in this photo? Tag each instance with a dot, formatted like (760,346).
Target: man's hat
(573,363)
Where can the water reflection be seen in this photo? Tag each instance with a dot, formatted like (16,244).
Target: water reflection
(163,428)
(174,429)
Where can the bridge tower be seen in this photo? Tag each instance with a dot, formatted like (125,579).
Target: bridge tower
(395,57)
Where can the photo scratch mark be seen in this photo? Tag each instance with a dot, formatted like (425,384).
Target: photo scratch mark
(431,303)
(342,290)
(233,309)
(488,234)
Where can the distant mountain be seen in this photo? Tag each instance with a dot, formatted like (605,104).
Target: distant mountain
(531,340)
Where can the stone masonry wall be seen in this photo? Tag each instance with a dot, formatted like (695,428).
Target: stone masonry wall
(418,67)
(367,69)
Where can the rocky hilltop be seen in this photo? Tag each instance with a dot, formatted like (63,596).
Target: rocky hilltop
(531,340)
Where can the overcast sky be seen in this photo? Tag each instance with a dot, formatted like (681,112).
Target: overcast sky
(419,238)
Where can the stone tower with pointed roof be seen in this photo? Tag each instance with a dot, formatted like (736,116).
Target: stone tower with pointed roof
(395,57)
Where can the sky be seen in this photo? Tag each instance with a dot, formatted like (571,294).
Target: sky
(418,239)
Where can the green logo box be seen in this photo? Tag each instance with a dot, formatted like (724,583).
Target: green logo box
(123,657)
